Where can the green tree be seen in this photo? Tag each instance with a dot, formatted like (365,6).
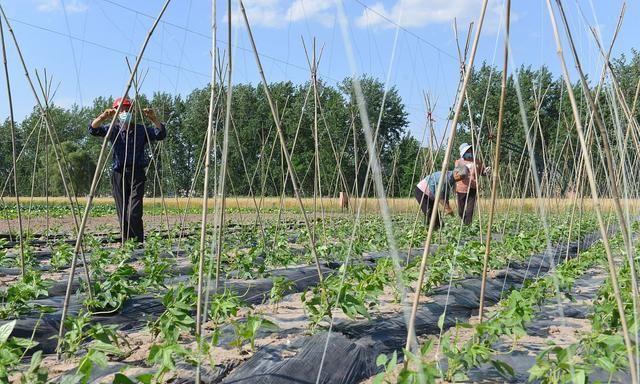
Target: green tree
(392,122)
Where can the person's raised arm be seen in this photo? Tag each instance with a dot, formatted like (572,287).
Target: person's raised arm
(96,128)
(158,132)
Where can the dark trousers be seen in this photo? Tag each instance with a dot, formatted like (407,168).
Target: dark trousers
(128,192)
(427,205)
(466,205)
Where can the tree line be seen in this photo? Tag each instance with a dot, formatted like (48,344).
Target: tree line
(329,126)
(325,122)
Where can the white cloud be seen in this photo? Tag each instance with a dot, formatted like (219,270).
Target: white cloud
(311,9)
(419,13)
(76,6)
(266,13)
(279,13)
(48,5)
(71,6)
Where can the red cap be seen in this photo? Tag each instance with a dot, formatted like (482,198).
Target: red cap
(125,102)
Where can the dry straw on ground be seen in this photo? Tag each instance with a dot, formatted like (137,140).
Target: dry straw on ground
(332,204)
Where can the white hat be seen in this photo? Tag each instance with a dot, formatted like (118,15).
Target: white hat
(464,147)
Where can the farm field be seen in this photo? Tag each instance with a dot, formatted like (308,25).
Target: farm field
(319,192)
(272,315)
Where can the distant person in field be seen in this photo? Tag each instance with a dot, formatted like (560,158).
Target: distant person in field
(467,189)
(426,191)
(128,140)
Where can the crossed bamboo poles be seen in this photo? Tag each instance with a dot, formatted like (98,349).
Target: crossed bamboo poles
(588,166)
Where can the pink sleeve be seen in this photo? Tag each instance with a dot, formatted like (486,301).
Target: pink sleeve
(422,185)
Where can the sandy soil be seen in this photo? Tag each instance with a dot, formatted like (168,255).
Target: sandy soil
(94,224)
(563,332)
(290,318)
(110,223)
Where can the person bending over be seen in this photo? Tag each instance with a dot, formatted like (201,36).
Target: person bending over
(426,191)
(129,162)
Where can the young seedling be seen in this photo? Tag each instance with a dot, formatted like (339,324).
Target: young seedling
(281,285)
(61,256)
(35,374)
(222,308)
(12,349)
(80,331)
(246,330)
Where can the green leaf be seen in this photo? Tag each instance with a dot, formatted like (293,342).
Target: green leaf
(36,359)
(579,377)
(105,347)
(167,359)
(503,368)
(381,360)
(606,364)
(99,358)
(122,379)
(72,379)
(379,379)
(153,352)
(23,343)
(441,321)
(394,360)
(145,378)
(426,348)
(537,371)
(5,331)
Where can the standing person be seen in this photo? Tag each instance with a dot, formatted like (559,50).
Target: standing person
(129,162)
(467,189)
(426,191)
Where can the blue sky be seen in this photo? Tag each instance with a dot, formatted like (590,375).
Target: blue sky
(83,43)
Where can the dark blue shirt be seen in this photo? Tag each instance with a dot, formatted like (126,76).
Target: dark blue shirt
(129,145)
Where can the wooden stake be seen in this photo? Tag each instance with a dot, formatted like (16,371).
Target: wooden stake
(223,161)
(23,269)
(611,169)
(411,341)
(276,119)
(496,158)
(51,132)
(96,179)
(596,200)
(207,162)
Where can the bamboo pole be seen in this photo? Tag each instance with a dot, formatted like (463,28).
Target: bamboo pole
(594,194)
(630,250)
(252,195)
(13,151)
(220,203)
(318,178)
(205,192)
(43,110)
(223,161)
(411,341)
(496,158)
(46,96)
(276,119)
(96,179)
